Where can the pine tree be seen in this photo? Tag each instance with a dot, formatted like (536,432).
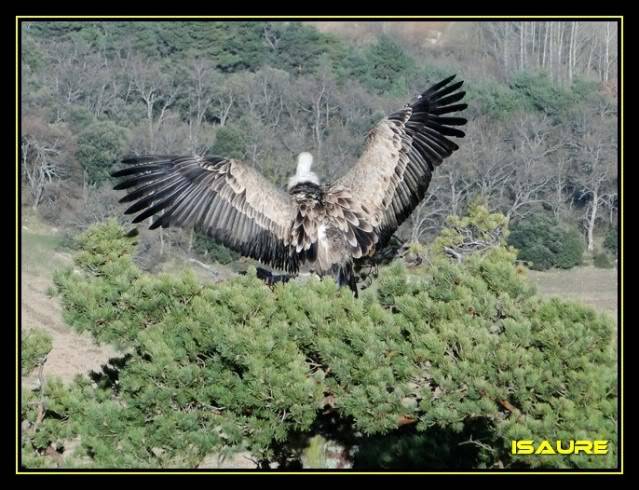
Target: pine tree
(439,366)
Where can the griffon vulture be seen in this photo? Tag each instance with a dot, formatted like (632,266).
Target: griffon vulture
(318,227)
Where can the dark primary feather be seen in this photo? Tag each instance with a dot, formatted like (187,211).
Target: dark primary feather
(395,170)
(426,147)
(224,198)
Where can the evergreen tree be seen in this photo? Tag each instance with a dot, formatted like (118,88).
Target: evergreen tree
(101,145)
(423,364)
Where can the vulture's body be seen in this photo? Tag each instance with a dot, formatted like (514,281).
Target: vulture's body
(315,227)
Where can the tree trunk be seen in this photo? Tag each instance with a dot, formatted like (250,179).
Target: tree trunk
(551,49)
(571,52)
(506,46)
(454,203)
(607,56)
(522,34)
(38,196)
(592,218)
(543,56)
(590,53)
(533,35)
(85,186)
(149,116)
(560,44)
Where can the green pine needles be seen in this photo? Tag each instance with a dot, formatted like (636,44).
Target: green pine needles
(432,368)
(36,345)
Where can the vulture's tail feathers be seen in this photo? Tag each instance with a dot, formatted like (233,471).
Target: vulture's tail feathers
(344,276)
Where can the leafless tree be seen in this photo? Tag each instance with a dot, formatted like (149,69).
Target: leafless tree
(199,94)
(431,212)
(43,150)
(158,91)
(594,148)
(489,160)
(533,151)
(316,98)
(564,49)
(226,91)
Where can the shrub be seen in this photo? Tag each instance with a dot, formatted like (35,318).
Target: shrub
(383,67)
(230,142)
(300,48)
(543,243)
(442,366)
(571,251)
(541,94)
(80,118)
(478,231)
(611,240)
(601,260)
(100,145)
(212,250)
(36,344)
(496,100)
(538,257)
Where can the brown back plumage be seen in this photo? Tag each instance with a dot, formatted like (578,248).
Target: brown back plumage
(329,227)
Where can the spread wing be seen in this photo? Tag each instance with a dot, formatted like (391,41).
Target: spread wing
(224,198)
(393,173)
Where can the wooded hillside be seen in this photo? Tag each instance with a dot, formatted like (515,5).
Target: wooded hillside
(542,134)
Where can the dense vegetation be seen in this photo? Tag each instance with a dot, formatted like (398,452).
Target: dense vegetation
(542,96)
(36,344)
(435,367)
(543,243)
(602,260)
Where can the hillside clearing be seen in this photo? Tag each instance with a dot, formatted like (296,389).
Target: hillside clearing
(42,255)
(590,285)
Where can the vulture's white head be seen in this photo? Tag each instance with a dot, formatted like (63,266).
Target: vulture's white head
(303,173)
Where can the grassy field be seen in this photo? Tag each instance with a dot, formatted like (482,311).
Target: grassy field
(588,284)
(42,250)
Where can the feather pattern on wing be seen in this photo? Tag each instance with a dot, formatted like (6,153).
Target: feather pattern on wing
(393,173)
(224,198)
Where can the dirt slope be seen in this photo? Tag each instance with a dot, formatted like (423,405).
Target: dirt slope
(72,353)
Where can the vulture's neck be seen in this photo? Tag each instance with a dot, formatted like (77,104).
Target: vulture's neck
(310,190)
